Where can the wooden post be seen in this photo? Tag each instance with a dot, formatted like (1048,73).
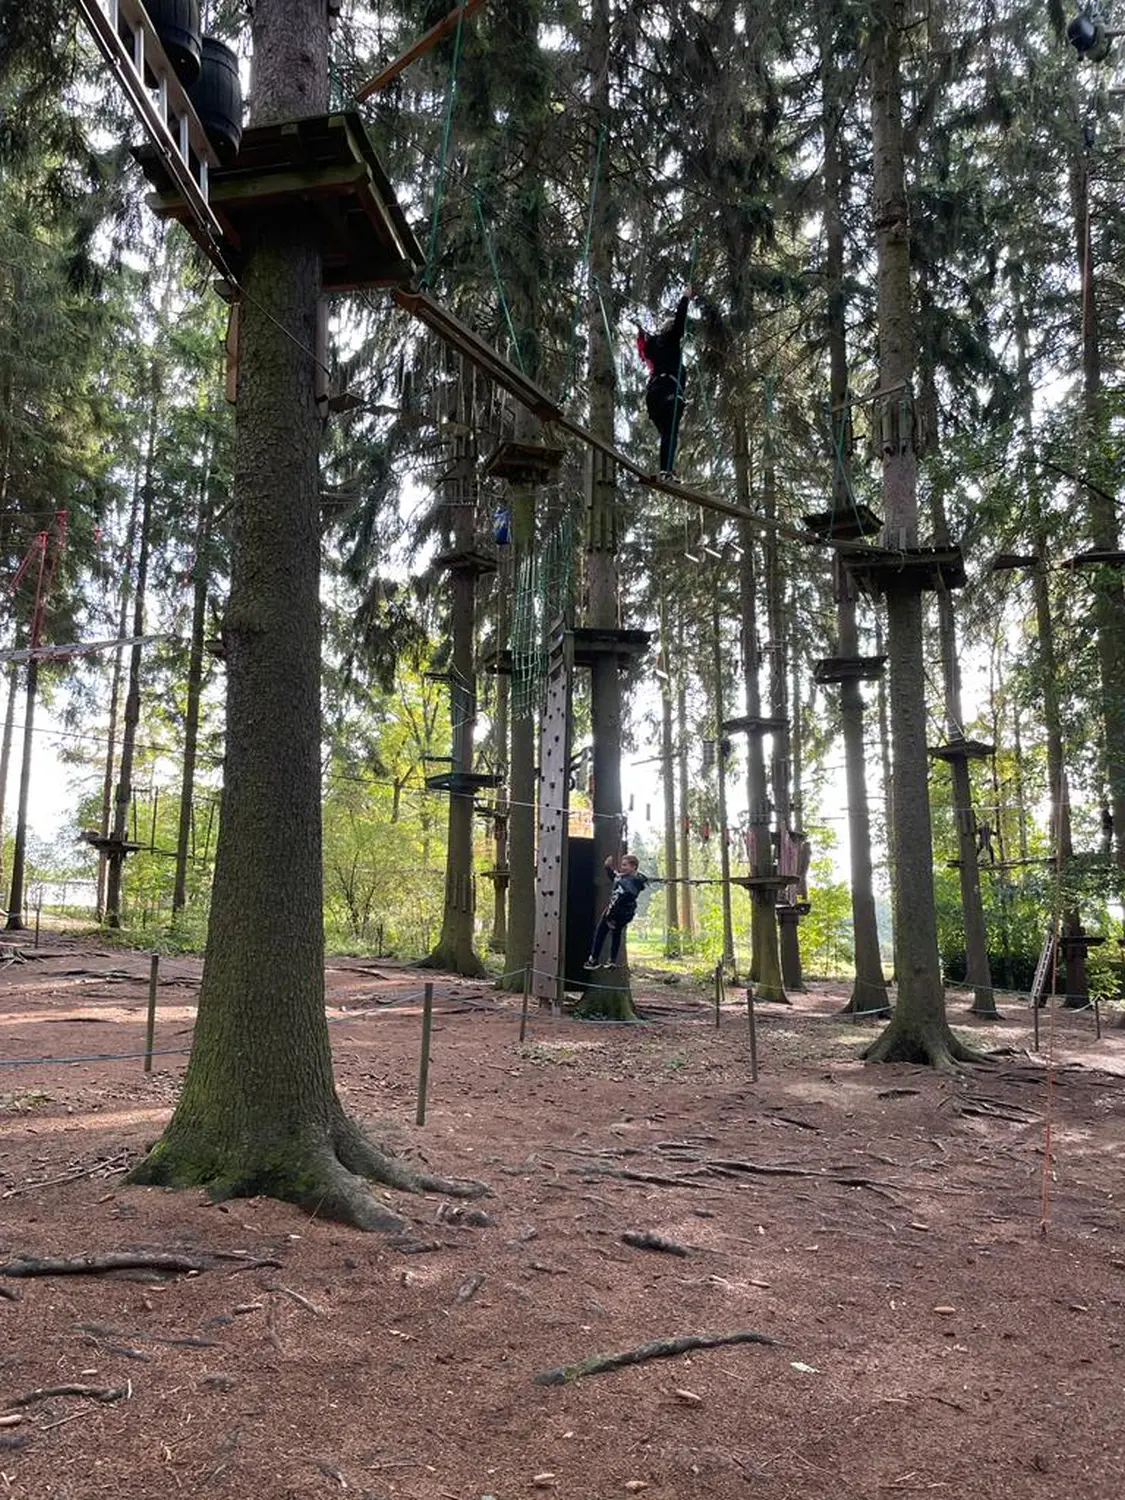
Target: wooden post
(718,994)
(753,1034)
(38,914)
(150,1026)
(1098,1017)
(424,1064)
(1035,1017)
(526,994)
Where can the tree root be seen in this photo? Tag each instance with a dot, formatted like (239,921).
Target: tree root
(94,1392)
(641,1239)
(597,1364)
(936,1047)
(328,1176)
(454,960)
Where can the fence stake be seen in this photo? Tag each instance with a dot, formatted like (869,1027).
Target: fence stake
(1098,1016)
(38,914)
(526,996)
(753,1033)
(1035,1017)
(718,994)
(150,1027)
(424,1064)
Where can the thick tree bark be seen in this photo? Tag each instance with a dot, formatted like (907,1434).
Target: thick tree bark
(16,892)
(258,1112)
(194,694)
(123,794)
(918,1030)
(765,959)
(687,904)
(6,748)
(611,996)
(673,942)
(718,665)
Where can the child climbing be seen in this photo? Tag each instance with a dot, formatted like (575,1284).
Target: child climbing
(664,395)
(628,883)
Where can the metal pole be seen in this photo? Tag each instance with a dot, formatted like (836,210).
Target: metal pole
(526,996)
(424,1064)
(150,1028)
(753,1034)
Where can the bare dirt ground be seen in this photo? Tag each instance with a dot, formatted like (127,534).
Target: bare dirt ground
(935,1333)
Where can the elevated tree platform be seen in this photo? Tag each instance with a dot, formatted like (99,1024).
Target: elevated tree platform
(498,662)
(763,882)
(880,570)
(592,644)
(962,749)
(523,463)
(466,561)
(755,724)
(1081,941)
(792,911)
(831,669)
(1006,562)
(461,783)
(849,524)
(323,166)
(105,843)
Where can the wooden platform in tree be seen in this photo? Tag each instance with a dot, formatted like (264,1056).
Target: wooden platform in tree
(848,669)
(523,463)
(466,560)
(461,783)
(879,569)
(754,724)
(592,645)
(105,843)
(962,749)
(848,524)
(1006,562)
(792,911)
(1081,940)
(1095,558)
(499,663)
(323,167)
(763,882)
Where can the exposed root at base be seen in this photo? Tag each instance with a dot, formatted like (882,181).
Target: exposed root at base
(329,1179)
(939,1049)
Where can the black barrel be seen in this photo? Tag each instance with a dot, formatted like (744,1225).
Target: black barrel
(217,98)
(177,24)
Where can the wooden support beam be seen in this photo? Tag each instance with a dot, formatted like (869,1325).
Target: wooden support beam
(418,49)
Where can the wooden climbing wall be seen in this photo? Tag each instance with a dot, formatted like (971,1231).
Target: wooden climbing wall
(553,820)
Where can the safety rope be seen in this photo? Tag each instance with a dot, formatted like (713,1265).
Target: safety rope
(443,161)
(572,366)
(504,307)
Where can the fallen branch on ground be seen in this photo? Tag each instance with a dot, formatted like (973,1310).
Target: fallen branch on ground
(597,1364)
(127,1260)
(94,1392)
(643,1240)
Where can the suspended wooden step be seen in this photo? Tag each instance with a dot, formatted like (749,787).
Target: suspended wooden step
(499,663)
(592,645)
(1005,562)
(1095,558)
(755,724)
(461,783)
(846,524)
(105,843)
(1081,940)
(466,560)
(523,463)
(880,569)
(322,168)
(848,669)
(763,882)
(1002,864)
(792,911)
(477,351)
(962,749)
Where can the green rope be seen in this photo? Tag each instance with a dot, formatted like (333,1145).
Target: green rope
(447,133)
(499,284)
(585,261)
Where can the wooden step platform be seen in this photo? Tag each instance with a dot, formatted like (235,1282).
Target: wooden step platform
(523,463)
(467,560)
(850,524)
(880,570)
(461,783)
(754,724)
(962,749)
(324,168)
(592,645)
(831,669)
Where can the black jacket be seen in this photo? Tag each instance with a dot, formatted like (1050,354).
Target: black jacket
(626,889)
(663,351)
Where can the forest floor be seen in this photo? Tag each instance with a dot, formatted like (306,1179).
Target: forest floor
(942,1326)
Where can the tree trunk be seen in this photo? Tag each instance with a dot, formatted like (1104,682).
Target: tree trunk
(16,896)
(200,573)
(258,1112)
(673,945)
(869,993)
(918,1030)
(454,951)
(612,996)
(687,904)
(498,939)
(717,672)
(123,796)
(765,962)
(6,749)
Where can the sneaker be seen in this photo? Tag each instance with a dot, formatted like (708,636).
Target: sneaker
(590,963)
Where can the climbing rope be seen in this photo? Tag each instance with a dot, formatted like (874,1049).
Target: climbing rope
(443,160)
(504,307)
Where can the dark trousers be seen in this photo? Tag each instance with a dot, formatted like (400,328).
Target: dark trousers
(664,399)
(610,922)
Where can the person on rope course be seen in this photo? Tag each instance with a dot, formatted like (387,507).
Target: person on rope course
(628,883)
(663,353)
